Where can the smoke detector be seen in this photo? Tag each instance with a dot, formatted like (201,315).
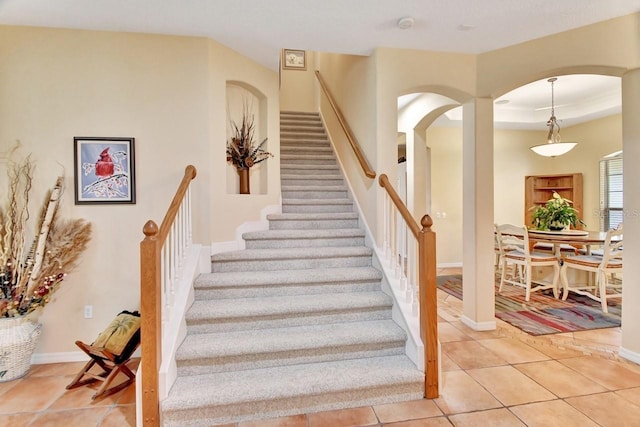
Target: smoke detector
(405,23)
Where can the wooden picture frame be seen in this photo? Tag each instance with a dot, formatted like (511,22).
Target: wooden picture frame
(294,59)
(104,170)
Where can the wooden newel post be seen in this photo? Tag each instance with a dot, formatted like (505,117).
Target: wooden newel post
(428,305)
(150,307)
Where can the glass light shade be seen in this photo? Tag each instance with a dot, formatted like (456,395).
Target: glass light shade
(553,149)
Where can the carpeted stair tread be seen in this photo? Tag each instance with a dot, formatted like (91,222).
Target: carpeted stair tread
(297,339)
(303,234)
(308,157)
(302,128)
(314,170)
(286,277)
(342,201)
(307,135)
(296,113)
(291,144)
(313,216)
(291,253)
(321,177)
(304,238)
(314,188)
(258,385)
(255,308)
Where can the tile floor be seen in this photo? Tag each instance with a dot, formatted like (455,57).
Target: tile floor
(496,378)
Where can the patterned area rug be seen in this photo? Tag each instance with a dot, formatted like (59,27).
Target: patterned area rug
(543,314)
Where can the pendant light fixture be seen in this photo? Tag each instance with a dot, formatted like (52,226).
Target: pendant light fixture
(553,147)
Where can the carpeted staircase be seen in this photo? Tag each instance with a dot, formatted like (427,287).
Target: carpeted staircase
(296,322)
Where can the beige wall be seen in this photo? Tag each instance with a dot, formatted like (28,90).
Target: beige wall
(166,92)
(351,80)
(366,89)
(295,87)
(608,47)
(170,94)
(512,162)
(226,65)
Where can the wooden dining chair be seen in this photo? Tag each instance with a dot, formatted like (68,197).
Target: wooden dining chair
(605,266)
(513,242)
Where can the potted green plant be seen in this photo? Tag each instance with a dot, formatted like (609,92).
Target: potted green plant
(242,151)
(556,214)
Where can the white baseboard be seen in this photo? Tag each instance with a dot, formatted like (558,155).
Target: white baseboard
(629,355)
(478,326)
(449,265)
(62,357)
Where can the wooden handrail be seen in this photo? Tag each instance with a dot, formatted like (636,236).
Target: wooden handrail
(383,180)
(427,291)
(364,164)
(189,174)
(151,302)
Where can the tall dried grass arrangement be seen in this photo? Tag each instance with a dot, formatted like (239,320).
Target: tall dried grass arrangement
(31,273)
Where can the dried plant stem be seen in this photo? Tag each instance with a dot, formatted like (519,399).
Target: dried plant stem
(38,256)
(20,182)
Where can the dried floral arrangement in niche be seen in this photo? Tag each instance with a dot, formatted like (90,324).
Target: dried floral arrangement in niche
(242,150)
(35,253)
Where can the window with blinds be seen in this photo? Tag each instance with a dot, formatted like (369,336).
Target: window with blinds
(611,200)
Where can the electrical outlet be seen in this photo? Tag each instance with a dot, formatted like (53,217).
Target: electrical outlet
(88,311)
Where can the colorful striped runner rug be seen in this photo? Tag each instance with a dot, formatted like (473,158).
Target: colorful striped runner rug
(543,314)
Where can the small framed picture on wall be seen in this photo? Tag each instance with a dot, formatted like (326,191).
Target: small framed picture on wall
(294,59)
(104,170)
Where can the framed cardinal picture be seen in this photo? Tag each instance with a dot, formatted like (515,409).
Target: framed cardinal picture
(104,170)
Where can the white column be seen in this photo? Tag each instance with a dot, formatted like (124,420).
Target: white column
(478,305)
(630,348)
(419,164)
(411,165)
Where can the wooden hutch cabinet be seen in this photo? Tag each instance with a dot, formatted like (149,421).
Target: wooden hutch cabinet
(539,188)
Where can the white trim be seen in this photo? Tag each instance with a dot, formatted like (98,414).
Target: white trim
(61,357)
(66,357)
(479,326)
(450,265)
(175,328)
(629,355)
(402,311)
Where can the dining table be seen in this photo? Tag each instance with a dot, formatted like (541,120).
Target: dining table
(579,239)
